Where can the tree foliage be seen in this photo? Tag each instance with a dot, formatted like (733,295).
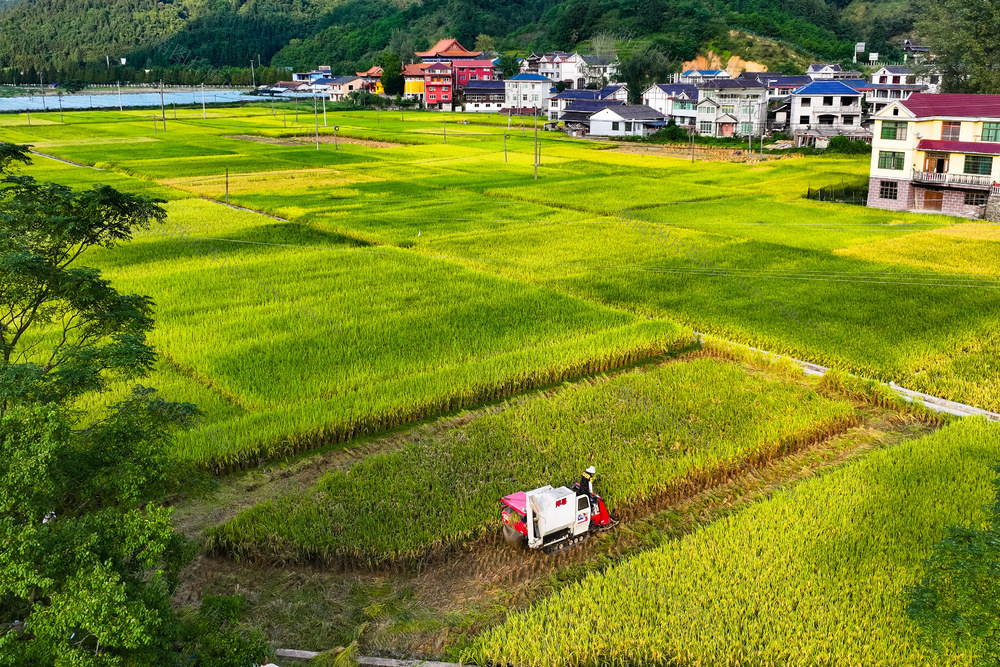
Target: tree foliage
(965,38)
(392,73)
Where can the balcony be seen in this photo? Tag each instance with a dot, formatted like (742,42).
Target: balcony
(963,180)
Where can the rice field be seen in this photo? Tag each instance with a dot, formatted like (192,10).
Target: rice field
(609,257)
(814,576)
(652,435)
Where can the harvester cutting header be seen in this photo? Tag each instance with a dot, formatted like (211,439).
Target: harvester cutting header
(553,519)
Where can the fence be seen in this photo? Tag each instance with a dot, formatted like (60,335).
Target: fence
(845,192)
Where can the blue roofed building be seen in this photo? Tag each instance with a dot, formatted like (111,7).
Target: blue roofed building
(485,96)
(825,109)
(527,92)
(696,76)
(577,115)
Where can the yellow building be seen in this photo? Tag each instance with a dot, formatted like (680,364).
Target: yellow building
(937,153)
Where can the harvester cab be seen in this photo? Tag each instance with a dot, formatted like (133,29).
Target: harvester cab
(553,519)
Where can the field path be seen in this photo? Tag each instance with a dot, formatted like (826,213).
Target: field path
(59,159)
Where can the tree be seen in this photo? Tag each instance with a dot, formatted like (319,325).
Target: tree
(392,73)
(958,600)
(644,67)
(964,36)
(401,43)
(89,557)
(508,65)
(485,44)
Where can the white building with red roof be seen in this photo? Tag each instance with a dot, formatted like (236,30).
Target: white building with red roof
(937,153)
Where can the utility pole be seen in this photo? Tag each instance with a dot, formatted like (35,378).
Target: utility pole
(60,108)
(41,90)
(536,144)
(203,116)
(505,135)
(120,107)
(163,111)
(316,121)
(253,77)
(227,186)
(444,126)
(324,109)
(336,147)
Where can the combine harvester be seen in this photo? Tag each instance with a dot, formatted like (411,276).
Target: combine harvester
(555,519)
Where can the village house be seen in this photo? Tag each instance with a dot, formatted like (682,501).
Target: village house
(413,81)
(825,109)
(340,87)
(676,101)
(732,107)
(626,121)
(447,50)
(598,70)
(898,82)
(464,71)
(576,118)
(483,96)
(573,69)
(696,76)
(527,92)
(287,87)
(371,80)
(559,102)
(938,153)
(323,71)
(438,89)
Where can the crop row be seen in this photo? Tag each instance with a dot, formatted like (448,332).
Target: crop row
(651,434)
(813,576)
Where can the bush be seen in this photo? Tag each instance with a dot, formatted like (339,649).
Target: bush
(845,146)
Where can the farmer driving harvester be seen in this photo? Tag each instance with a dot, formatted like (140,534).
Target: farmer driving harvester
(585,485)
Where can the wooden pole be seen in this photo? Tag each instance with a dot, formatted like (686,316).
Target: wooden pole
(324,110)
(163,111)
(316,120)
(227,186)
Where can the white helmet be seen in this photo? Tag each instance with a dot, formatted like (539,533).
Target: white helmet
(591,470)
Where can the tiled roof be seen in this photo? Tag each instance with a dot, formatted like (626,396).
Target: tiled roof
(528,77)
(826,88)
(437,66)
(705,72)
(637,112)
(485,85)
(730,83)
(577,94)
(597,61)
(447,47)
(786,81)
(897,69)
(974,147)
(472,63)
(954,104)
(337,80)
(416,69)
(857,84)
(677,89)
(816,67)
(592,106)
(610,90)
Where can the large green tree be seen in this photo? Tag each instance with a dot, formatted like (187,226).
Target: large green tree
(964,36)
(958,600)
(89,558)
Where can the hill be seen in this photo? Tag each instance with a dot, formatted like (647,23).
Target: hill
(348,33)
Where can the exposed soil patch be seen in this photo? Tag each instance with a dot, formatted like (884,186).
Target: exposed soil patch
(311,139)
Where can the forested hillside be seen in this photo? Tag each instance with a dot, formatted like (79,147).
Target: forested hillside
(349,33)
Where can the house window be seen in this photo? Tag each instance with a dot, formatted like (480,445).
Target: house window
(803,120)
(849,120)
(746,128)
(981,165)
(728,108)
(951,130)
(807,101)
(975,199)
(894,130)
(628,126)
(614,126)
(890,160)
(888,190)
(705,127)
(991,131)
(828,101)
(846,101)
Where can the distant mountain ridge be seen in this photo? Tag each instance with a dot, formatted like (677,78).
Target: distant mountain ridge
(350,33)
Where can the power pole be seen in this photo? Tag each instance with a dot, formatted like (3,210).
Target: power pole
(60,108)
(536,144)
(120,107)
(227,186)
(41,89)
(505,135)
(203,116)
(253,77)
(324,109)
(163,111)
(316,120)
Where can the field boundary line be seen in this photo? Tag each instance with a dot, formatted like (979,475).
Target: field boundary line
(366,661)
(59,159)
(934,403)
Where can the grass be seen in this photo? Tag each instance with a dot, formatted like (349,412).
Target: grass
(652,435)
(813,576)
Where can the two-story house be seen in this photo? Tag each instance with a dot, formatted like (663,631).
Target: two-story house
(732,107)
(898,82)
(527,91)
(626,121)
(696,76)
(485,96)
(413,81)
(936,153)
(825,109)
(676,101)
